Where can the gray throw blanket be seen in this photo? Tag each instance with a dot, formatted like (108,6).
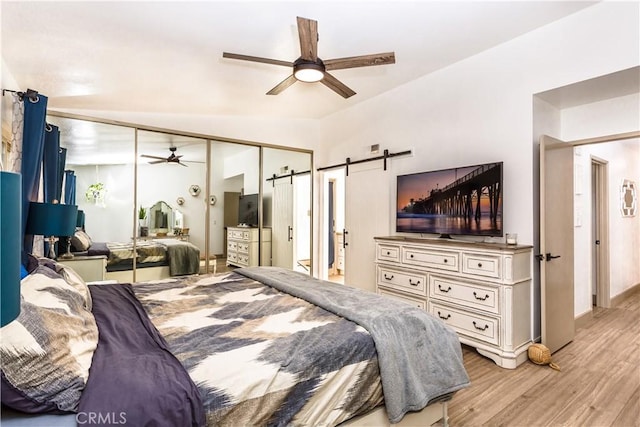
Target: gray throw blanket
(184,257)
(420,357)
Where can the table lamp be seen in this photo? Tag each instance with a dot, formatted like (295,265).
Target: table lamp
(79,224)
(51,220)
(10,245)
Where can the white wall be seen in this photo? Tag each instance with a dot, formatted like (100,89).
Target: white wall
(480,109)
(113,221)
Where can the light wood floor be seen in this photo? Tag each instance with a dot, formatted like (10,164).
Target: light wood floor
(599,384)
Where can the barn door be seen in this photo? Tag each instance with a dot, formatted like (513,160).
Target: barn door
(367,199)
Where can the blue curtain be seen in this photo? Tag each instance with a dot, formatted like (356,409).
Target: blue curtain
(70,187)
(50,163)
(62,160)
(32,151)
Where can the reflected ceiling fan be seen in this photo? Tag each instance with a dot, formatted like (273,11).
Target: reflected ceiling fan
(172,158)
(309,68)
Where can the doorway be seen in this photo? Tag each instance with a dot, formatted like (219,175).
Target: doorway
(599,233)
(333,265)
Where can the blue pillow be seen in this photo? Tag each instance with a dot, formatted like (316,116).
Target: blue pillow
(23,272)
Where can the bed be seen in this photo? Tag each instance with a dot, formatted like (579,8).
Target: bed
(159,257)
(256,346)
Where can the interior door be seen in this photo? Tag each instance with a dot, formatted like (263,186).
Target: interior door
(282,235)
(367,209)
(556,243)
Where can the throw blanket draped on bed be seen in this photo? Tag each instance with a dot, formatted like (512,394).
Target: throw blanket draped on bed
(429,363)
(133,375)
(184,257)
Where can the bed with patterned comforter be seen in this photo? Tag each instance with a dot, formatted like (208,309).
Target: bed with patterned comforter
(230,350)
(181,257)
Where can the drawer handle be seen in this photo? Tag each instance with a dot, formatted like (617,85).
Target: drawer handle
(479,265)
(411,256)
(444,290)
(480,298)
(414,284)
(447,317)
(446,260)
(388,278)
(479,328)
(388,253)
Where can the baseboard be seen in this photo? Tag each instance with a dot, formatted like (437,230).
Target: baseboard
(583,319)
(615,301)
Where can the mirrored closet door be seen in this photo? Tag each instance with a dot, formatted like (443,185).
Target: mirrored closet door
(233,203)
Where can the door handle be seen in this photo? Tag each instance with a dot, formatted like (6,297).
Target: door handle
(344,238)
(289,236)
(549,257)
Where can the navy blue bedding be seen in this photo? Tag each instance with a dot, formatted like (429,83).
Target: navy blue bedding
(134,379)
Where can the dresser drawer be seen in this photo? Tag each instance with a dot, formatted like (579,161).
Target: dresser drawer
(483,328)
(412,282)
(443,260)
(481,265)
(413,301)
(232,246)
(232,257)
(234,234)
(243,259)
(243,247)
(388,253)
(246,235)
(463,293)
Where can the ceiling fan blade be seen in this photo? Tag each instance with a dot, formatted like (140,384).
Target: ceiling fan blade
(155,162)
(337,86)
(182,164)
(282,85)
(153,157)
(256,59)
(308,33)
(360,61)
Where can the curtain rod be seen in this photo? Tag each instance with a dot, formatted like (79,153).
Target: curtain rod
(289,175)
(349,162)
(30,93)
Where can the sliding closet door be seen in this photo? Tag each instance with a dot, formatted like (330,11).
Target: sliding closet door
(367,199)
(282,231)
(287,202)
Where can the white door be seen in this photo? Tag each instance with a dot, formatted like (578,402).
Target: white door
(556,243)
(367,209)
(282,236)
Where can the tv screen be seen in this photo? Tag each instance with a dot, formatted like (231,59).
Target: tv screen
(248,210)
(463,201)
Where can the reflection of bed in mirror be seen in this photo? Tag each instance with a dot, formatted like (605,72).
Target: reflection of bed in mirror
(161,254)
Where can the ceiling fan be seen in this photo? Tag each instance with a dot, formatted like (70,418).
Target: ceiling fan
(172,158)
(309,68)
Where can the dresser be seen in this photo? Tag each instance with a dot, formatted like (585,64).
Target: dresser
(481,290)
(90,268)
(243,245)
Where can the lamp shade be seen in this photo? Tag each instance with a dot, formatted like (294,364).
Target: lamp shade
(49,219)
(10,245)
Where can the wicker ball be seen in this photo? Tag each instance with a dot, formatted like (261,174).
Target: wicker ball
(539,354)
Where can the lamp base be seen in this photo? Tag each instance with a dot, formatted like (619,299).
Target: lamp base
(52,247)
(68,254)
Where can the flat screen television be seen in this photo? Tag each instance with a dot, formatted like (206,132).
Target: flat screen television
(461,201)
(248,210)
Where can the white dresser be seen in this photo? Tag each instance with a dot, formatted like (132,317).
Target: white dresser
(482,290)
(242,246)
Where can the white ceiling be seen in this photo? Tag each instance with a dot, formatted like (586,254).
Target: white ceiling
(167,56)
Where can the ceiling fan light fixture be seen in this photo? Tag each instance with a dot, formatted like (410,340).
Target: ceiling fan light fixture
(308,72)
